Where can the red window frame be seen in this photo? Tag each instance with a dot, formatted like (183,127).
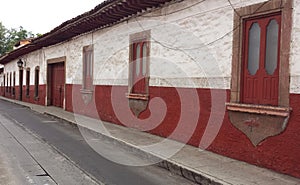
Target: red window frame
(4,78)
(7,83)
(9,88)
(27,82)
(88,62)
(140,67)
(261,87)
(36,81)
(14,84)
(139,60)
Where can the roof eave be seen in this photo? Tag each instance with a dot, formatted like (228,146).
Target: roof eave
(103,15)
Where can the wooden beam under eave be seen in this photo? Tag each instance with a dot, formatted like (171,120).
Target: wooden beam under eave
(147,3)
(117,13)
(130,7)
(120,8)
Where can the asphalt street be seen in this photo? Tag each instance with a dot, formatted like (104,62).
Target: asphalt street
(68,140)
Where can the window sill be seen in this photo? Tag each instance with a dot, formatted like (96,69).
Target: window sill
(259,109)
(86,91)
(137,96)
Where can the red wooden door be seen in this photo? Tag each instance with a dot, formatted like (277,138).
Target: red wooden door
(57,84)
(140,67)
(261,60)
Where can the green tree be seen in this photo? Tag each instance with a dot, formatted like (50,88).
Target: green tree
(3,34)
(9,37)
(15,35)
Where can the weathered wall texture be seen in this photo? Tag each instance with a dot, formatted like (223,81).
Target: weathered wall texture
(191,46)
(195,44)
(31,61)
(295,50)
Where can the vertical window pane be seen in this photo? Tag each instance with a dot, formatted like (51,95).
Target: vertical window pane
(91,64)
(88,55)
(10,82)
(144,59)
(36,89)
(84,65)
(138,59)
(7,81)
(132,66)
(87,65)
(14,83)
(27,82)
(272,47)
(4,80)
(254,48)
(9,74)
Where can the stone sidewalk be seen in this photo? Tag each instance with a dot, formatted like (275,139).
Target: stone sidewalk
(197,165)
(26,159)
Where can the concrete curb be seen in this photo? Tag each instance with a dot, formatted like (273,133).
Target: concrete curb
(168,164)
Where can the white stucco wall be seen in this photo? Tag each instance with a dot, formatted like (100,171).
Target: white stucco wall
(31,61)
(189,48)
(295,50)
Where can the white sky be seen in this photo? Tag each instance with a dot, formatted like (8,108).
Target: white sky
(41,16)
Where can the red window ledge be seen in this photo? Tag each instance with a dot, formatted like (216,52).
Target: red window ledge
(137,96)
(259,109)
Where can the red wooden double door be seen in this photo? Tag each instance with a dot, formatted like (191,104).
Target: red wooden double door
(261,58)
(56,77)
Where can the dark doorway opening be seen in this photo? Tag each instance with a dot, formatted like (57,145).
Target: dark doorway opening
(56,84)
(20,84)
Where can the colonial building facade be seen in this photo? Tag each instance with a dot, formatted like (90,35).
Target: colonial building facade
(220,75)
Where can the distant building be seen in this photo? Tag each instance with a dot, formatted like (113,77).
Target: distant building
(220,75)
(22,43)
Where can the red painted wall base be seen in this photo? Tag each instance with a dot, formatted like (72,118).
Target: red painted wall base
(40,100)
(172,112)
(280,153)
